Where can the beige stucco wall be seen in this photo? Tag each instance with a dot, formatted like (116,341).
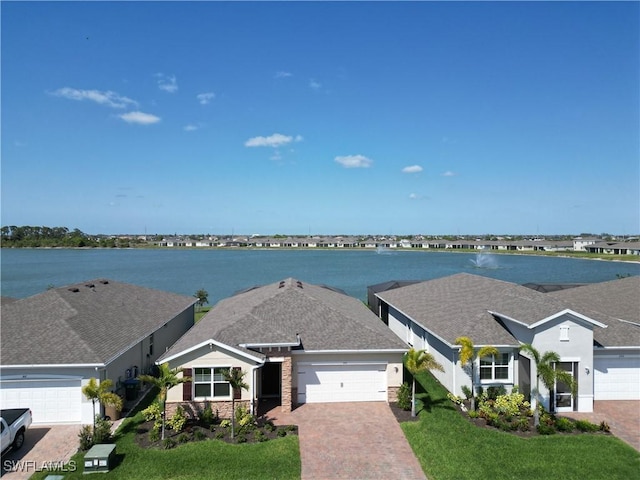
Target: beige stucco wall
(214,356)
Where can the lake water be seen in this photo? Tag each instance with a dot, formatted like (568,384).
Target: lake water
(221,273)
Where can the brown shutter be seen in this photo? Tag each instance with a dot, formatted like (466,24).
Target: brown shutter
(237,392)
(186,386)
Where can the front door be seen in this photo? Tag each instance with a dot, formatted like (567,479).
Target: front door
(270,380)
(564,400)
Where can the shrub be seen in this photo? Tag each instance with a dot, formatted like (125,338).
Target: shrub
(102,432)
(241,439)
(494,392)
(604,427)
(564,424)
(168,443)
(260,437)
(473,413)
(183,438)
(512,404)
(523,424)
(546,429)
(455,399)
(404,397)
(244,418)
(282,432)
(586,426)
(153,413)
(86,437)
(178,419)
(199,435)
(466,391)
(206,416)
(269,426)
(225,423)
(154,435)
(219,434)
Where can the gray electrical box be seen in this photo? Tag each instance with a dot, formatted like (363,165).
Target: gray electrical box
(99,458)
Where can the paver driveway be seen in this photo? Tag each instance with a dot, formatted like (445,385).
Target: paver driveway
(351,441)
(43,445)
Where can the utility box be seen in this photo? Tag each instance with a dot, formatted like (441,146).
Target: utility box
(99,458)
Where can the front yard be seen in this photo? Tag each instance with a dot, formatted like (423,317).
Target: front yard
(277,458)
(448,446)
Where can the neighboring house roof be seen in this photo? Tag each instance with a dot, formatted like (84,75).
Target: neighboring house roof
(86,323)
(619,300)
(465,305)
(290,312)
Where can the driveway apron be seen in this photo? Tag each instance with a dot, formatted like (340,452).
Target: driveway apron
(351,441)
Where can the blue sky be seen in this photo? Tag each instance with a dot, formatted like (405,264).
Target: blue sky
(322,118)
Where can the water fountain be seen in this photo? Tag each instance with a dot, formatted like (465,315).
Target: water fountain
(484,260)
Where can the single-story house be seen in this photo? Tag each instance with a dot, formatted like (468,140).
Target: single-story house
(594,328)
(296,342)
(54,342)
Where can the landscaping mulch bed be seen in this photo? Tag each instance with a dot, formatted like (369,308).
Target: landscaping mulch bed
(195,430)
(402,415)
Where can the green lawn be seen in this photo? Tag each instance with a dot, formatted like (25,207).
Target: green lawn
(449,447)
(206,459)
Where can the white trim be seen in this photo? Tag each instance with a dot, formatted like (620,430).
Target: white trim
(345,364)
(569,312)
(205,344)
(57,365)
(391,350)
(39,378)
(211,383)
(570,359)
(600,349)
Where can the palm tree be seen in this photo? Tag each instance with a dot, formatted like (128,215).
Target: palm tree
(417,361)
(468,356)
(166,379)
(202,296)
(101,393)
(235,377)
(546,371)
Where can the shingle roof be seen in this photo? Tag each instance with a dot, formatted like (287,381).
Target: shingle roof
(85,323)
(460,305)
(324,318)
(619,300)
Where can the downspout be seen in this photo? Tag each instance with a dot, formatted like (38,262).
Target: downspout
(455,366)
(253,389)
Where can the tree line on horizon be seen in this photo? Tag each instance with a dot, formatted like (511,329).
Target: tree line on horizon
(37,236)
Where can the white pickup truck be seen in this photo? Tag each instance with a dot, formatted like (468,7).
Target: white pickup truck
(13,425)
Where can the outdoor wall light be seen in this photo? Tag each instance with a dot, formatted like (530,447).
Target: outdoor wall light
(586,370)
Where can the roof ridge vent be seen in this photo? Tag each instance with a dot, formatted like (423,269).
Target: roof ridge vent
(104,282)
(299,283)
(281,285)
(74,289)
(90,285)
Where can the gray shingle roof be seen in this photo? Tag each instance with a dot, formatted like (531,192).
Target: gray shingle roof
(459,305)
(324,318)
(617,300)
(79,324)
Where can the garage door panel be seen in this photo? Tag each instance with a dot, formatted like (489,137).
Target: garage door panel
(49,401)
(341,383)
(617,378)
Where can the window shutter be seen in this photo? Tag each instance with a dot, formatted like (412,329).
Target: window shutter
(237,392)
(186,386)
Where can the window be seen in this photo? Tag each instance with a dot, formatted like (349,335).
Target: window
(151,345)
(209,382)
(495,367)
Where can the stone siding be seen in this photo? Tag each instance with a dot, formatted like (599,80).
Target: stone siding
(392,394)
(192,409)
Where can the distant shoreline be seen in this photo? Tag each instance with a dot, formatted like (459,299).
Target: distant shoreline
(577,255)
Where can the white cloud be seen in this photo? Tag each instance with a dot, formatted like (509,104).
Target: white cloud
(205,98)
(190,128)
(315,85)
(354,161)
(140,118)
(414,196)
(167,83)
(275,140)
(282,74)
(412,169)
(449,173)
(108,98)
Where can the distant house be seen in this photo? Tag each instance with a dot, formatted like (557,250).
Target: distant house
(296,342)
(594,328)
(54,342)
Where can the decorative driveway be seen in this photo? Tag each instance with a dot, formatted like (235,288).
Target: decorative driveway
(355,441)
(44,445)
(623,416)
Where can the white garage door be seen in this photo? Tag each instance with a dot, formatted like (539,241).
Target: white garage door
(342,383)
(617,378)
(50,401)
